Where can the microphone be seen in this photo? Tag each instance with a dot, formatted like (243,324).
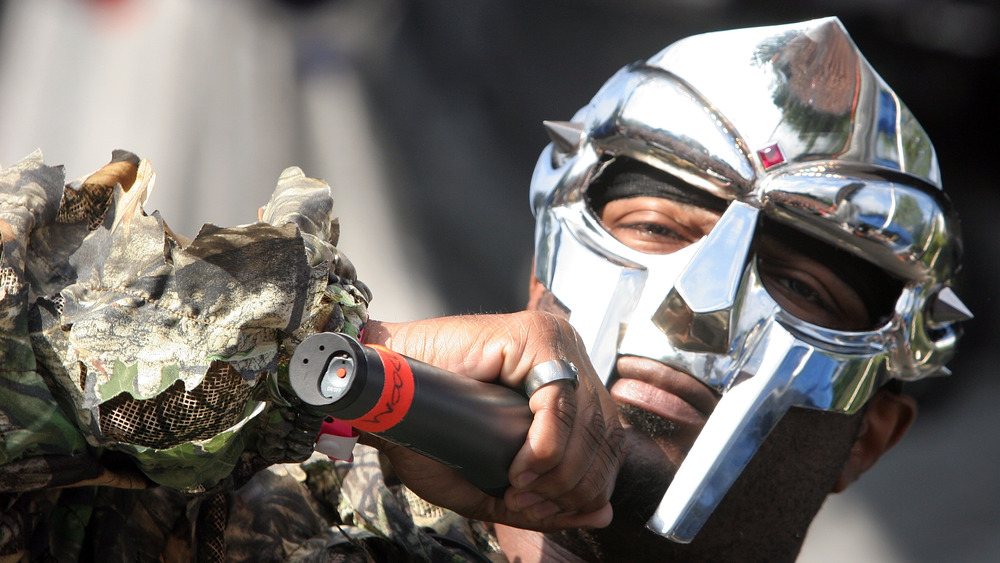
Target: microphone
(473,426)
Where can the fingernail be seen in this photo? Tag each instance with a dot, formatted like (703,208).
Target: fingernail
(544,510)
(525,500)
(525,479)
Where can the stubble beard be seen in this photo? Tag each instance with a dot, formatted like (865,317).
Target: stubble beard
(652,425)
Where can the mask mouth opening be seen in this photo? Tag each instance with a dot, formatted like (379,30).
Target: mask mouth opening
(877,289)
(623,177)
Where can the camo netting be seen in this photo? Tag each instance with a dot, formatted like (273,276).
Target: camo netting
(177,415)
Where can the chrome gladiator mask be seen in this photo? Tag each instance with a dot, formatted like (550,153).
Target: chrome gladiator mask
(788,125)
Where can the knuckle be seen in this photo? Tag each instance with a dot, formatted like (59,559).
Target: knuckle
(564,410)
(589,491)
(595,430)
(549,328)
(610,457)
(562,413)
(593,489)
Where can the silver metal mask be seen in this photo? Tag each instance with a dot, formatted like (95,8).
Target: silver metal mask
(788,123)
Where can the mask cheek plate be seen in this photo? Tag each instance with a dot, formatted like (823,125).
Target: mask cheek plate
(786,372)
(696,313)
(596,303)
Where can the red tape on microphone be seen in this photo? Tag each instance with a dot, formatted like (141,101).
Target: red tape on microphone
(397,394)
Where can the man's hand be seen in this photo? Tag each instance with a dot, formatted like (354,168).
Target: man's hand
(564,474)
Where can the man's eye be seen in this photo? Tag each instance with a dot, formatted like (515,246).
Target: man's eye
(651,230)
(656,225)
(650,237)
(801,290)
(812,293)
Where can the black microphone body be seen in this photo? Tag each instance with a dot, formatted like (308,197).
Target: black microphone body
(473,426)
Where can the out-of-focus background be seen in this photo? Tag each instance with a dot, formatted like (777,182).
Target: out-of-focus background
(425,118)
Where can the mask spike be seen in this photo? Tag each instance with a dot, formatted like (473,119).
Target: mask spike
(948,308)
(565,134)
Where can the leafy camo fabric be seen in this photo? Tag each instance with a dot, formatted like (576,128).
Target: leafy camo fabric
(323,510)
(102,302)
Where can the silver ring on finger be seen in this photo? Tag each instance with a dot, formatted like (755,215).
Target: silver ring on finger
(549,372)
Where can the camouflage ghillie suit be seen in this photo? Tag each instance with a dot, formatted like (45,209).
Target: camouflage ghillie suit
(144,378)
(336,511)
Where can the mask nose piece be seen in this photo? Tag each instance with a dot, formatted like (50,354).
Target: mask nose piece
(697,313)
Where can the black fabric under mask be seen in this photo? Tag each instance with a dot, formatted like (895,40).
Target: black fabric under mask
(624,178)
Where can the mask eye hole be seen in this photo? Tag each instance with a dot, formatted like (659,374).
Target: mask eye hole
(821,284)
(649,210)
(656,225)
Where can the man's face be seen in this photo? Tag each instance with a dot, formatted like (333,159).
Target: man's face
(663,408)
(802,285)
(722,334)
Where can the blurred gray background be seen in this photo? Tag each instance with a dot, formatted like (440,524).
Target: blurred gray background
(424,117)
